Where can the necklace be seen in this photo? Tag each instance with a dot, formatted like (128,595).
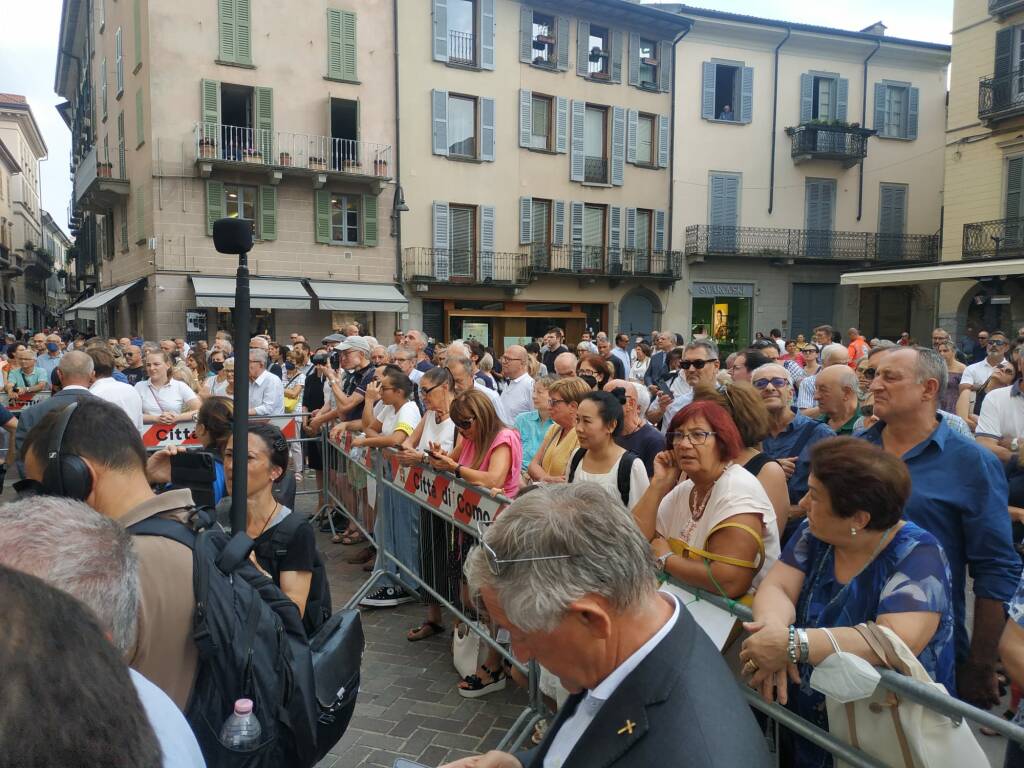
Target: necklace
(698,505)
(273,514)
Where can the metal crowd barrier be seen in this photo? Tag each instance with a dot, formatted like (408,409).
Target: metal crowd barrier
(450,502)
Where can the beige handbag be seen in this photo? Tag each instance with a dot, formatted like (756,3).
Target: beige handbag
(468,650)
(898,731)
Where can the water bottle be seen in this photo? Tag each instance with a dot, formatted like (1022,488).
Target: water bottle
(242,729)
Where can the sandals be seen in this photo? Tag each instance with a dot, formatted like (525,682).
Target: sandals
(348,538)
(423,631)
(478,688)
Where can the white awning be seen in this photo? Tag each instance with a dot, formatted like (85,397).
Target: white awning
(952,270)
(362,297)
(265,293)
(101,299)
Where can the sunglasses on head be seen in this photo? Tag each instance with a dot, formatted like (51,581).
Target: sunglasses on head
(778,382)
(698,364)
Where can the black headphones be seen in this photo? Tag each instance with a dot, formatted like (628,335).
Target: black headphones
(65,474)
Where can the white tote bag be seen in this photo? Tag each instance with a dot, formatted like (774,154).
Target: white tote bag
(468,650)
(897,731)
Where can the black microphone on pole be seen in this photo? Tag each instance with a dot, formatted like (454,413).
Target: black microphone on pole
(234,236)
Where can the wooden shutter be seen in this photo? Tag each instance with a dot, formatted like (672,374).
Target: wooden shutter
(634,59)
(666,63)
(486,34)
(820,203)
(561,124)
(137,29)
(880,107)
(842,97)
(227,50)
(214,203)
(440,16)
(806,97)
(264,121)
(140,214)
(707,106)
(268,212)
(486,242)
(334,54)
(659,230)
(618,145)
(614,237)
(582,50)
(723,208)
(525,34)
(243,32)
(209,103)
(140,126)
(442,262)
(576,235)
(525,116)
(617,42)
(632,118)
(746,94)
(1004,55)
(663,141)
(322,215)
(892,215)
(577,162)
(439,121)
(487,129)
(562,42)
(341,45)
(525,220)
(913,102)
(370,220)
(1014,187)
(630,228)
(558,223)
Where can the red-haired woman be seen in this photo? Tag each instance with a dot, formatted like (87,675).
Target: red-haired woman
(716,529)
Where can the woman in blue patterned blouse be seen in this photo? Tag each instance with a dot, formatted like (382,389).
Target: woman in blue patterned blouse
(1011,651)
(853,560)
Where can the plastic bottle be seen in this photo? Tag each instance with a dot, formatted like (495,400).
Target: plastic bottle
(241,730)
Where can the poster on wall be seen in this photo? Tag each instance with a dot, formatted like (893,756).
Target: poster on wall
(721,322)
(478,331)
(195,325)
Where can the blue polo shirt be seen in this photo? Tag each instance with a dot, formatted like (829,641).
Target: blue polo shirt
(802,433)
(958,494)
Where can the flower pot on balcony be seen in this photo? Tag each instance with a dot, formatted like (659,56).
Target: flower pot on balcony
(350,166)
(207,148)
(380,167)
(252,156)
(286,158)
(317,164)
(102,170)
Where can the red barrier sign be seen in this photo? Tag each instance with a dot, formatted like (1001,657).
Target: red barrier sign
(20,402)
(464,503)
(184,432)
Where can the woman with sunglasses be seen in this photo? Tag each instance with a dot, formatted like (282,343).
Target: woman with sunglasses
(551,459)
(709,520)
(955,370)
(968,404)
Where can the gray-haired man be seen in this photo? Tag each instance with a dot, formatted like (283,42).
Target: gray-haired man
(568,573)
(266,391)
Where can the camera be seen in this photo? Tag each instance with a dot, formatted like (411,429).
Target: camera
(320,358)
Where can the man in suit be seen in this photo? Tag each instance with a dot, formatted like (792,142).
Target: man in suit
(568,573)
(658,369)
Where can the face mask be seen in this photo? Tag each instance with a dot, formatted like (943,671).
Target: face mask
(52,347)
(216,366)
(289,366)
(845,677)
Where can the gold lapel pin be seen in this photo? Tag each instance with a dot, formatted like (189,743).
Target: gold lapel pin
(627,728)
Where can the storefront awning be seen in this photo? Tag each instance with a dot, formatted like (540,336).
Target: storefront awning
(101,299)
(265,293)
(362,297)
(953,270)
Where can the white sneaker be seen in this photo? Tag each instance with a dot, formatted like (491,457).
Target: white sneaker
(387,597)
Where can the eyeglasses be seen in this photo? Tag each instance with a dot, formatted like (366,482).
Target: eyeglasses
(997,343)
(555,401)
(778,382)
(507,359)
(869,373)
(464,423)
(698,364)
(428,390)
(494,563)
(695,438)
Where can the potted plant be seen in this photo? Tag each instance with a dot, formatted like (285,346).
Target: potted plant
(650,61)
(252,155)
(102,170)
(206,147)
(317,163)
(286,158)
(380,167)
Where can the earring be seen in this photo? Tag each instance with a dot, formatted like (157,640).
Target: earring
(853,531)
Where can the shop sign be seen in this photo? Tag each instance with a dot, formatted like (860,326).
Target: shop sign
(722,290)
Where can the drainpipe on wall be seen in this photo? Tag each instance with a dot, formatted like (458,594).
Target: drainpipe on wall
(399,198)
(775,115)
(863,124)
(672,140)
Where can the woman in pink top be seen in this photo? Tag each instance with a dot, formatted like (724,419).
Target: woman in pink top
(496,468)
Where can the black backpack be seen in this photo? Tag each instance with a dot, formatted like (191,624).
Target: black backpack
(271,550)
(621,479)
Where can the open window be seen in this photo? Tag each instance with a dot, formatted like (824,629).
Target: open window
(345,135)
(599,59)
(728,89)
(462,16)
(649,64)
(238,141)
(544,40)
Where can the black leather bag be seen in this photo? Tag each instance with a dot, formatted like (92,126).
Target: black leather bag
(337,649)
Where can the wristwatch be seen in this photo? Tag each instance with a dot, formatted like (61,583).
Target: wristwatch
(662,559)
(1015,444)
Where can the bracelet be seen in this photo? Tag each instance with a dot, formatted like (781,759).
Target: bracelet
(791,649)
(458,471)
(804,646)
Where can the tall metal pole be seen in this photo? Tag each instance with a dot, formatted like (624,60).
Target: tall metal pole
(240,426)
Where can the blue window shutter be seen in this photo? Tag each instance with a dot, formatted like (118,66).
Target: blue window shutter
(525,220)
(486,34)
(614,237)
(618,145)
(630,228)
(562,42)
(659,230)
(806,97)
(439,121)
(576,235)
(561,124)
(707,107)
(618,40)
(525,34)
(632,118)
(486,242)
(747,95)
(525,116)
(666,63)
(558,224)
(634,59)
(577,164)
(442,264)
(913,100)
(842,97)
(487,129)
(663,141)
(880,94)
(582,51)
(440,30)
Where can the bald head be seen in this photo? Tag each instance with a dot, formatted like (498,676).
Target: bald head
(835,389)
(565,365)
(839,377)
(75,368)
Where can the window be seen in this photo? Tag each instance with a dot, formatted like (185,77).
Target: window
(240,203)
(600,52)
(344,220)
(540,219)
(728,92)
(594,144)
(463,33)
(119,62)
(462,239)
(896,110)
(540,122)
(824,98)
(648,63)
(461,28)
(645,140)
(462,126)
(544,40)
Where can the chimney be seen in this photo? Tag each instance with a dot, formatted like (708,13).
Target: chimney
(878,28)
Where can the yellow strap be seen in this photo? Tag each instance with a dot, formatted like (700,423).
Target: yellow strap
(683,549)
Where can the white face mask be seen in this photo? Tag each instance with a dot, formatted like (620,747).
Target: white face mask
(845,677)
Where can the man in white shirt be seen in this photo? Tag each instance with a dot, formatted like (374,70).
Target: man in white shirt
(461,368)
(632,660)
(1001,421)
(621,351)
(266,391)
(978,373)
(518,395)
(106,387)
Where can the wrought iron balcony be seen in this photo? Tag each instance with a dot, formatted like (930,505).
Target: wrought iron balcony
(996,239)
(810,245)
(595,170)
(464,267)
(1001,97)
(461,47)
(599,261)
(821,141)
(96,186)
(1004,7)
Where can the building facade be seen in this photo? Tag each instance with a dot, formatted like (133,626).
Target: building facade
(535,166)
(802,152)
(8,168)
(184,113)
(56,245)
(23,278)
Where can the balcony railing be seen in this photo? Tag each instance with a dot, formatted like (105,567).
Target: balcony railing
(96,185)
(1003,7)
(845,144)
(1001,97)
(996,239)
(461,47)
(467,267)
(595,170)
(599,261)
(810,245)
(215,142)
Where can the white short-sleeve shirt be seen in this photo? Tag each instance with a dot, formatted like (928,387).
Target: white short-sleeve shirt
(405,418)
(1002,414)
(977,373)
(171,397)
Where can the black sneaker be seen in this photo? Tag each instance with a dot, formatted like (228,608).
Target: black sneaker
(387,597)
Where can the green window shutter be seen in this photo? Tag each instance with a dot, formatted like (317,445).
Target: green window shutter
(227,50)
(214,203)
(525,116)
(322,212)
(264,100)
(140,127)
(334,43)
(268,212)
(439,16)
(747,95)
(124,226)
(119,60)
(617,43)
(348,46)
(665,66)
(140,214)
(562,42)
(243,32)
(369,220)
(137,30)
